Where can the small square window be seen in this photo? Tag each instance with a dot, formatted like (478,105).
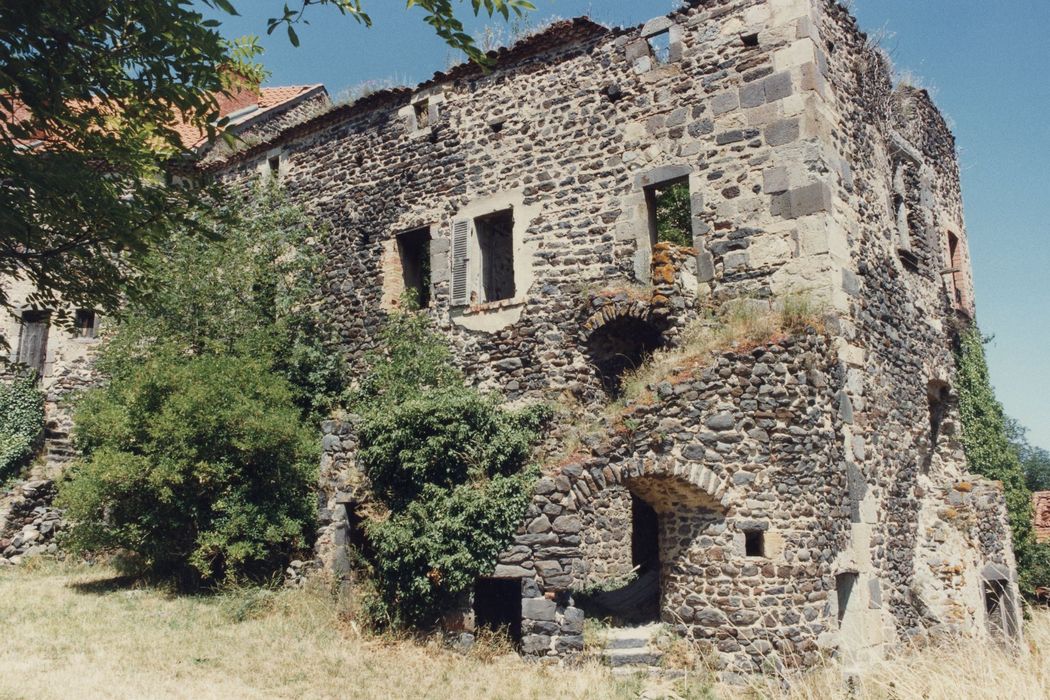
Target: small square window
(422,112)
(754,543)
(85,323)
(660,45)
(749,40)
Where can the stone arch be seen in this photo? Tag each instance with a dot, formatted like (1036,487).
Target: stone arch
(619,337)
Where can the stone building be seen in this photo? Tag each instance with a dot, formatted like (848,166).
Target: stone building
(784,502)
(804,497)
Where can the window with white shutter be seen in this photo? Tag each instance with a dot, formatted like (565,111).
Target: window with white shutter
(460,291)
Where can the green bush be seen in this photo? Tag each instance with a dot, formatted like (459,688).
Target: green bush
(200,456)
(448,464)
(989,452)
(198,467)
(21,424)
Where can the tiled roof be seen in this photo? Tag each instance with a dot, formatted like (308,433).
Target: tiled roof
(267,98)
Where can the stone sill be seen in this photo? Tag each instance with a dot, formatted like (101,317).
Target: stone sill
(493,306)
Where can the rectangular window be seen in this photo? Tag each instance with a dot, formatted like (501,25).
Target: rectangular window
(754,543)
(85,323)
(422,112)
(660,45)
(413,248)
(955,267)
(495,235)
(670,213)
(274,165)
(32,343)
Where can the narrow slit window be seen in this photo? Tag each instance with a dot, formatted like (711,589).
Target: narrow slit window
(413,249)
(274,166)
(660,45)
(495,234)
(844,584)
(670,213)
(955,269)
(754,543)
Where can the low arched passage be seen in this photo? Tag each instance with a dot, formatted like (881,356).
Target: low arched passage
(619,346)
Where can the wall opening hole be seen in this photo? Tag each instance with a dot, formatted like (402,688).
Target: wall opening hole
(999,610)
(754,543)
(85,323)
(749,39)
(645,535)
(844,584)
(273,164)
(670,212)
(660,45)
(497,605)
(422,111)
(614,92)
(620,346)
(413,248)
(496,126)
(495,234)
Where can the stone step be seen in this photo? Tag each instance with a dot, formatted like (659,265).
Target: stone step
(618,658)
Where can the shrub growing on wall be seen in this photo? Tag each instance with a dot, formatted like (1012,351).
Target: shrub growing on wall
(990,453)
(448,465)
(21,424)
(201,453)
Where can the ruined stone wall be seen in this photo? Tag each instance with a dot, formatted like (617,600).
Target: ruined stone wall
(586,124)
(895,205)
(749,443)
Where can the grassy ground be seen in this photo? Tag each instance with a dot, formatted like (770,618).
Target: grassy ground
(78,633)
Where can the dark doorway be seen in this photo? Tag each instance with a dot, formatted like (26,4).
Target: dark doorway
(645,536)
(497,605)
(620,346)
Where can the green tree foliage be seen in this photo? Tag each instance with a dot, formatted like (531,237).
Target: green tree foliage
(21,424)
(448,464)
(1034,460)
(89,93)
(674,214)
(201,454)
(199,466)
(990,453)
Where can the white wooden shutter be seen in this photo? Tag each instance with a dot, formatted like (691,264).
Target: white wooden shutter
(460,291)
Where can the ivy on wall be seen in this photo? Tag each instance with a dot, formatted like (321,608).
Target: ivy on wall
(21,424)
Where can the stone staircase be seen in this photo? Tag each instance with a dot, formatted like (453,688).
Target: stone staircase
(58,448)
(629,649)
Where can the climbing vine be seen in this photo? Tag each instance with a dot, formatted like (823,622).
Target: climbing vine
(21,424)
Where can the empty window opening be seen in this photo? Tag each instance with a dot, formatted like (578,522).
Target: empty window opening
(497,605)
(422,109)
(670,213)
(85,323)
(749,39)
(495,234)
(999,610)
(621,345)
(413,248)
(660,45)
(754,543)
(645,536)
(32,342)
(844,584)
(274,164)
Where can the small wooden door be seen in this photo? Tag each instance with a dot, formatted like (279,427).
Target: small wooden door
(32,346)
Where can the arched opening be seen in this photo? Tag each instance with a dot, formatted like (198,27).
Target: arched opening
(621,345)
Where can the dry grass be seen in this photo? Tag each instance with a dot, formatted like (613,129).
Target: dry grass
(77,632)
(740,325)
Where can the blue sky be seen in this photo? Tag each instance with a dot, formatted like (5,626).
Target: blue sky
(987,65)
